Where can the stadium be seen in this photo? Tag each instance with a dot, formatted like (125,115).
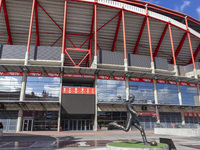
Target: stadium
(64,62)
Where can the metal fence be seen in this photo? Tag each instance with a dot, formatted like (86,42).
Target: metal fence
(176,125)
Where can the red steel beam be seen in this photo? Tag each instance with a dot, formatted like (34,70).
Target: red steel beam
(116,33)
(179,47)
(37,43)
(9,39)
(95,28)
(30,27)
(190,43)
(0,4)
(140,35)
(149,34)
(172,44)
(124,34)
(91,29)
(160,41)
(64,28)
(195,54)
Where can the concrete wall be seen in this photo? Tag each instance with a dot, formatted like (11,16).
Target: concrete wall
(178,131)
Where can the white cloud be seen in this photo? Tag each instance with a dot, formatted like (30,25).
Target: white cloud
(198,11)
(183,6)
(154,1)
(10,84)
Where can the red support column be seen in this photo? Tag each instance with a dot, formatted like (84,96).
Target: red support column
(172,44)
(0,4)
(30,27)
(195,54)
(116,33)
(150,46)
(190,44)
(124,34)
(140,35)
(9,39)
(64,28)
(37,43)
(179,47)
(95,28)
(160,41)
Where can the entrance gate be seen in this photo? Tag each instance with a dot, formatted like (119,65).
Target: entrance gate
(77,124)
(27,125)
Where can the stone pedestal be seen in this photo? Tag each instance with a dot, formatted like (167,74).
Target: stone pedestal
(132,147)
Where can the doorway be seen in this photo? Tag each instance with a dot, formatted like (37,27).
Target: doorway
(27,125)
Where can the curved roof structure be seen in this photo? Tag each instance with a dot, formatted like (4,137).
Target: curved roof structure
(48,25)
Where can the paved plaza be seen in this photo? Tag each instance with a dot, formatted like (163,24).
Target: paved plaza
(85,140)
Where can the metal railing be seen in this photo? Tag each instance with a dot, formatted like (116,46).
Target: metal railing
(176,125)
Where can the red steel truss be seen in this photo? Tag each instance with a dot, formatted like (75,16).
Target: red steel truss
(160,41)
(195,54)
(139,36)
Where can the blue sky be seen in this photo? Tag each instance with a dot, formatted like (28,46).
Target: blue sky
(189,7)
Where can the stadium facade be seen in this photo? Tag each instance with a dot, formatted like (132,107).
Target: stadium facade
(63,63)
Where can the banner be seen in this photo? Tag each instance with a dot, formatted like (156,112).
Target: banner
(78,76)
(35,74)
(11,73)
(78,90)
(121,78)
(140,79)
(161,81)
(103,77)
(51,74)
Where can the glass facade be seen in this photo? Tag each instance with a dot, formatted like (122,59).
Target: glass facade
(167,94)
(143,91)
(108,90)
(189,95)
(104,118)
(41,120)
(10,87)
(42,88)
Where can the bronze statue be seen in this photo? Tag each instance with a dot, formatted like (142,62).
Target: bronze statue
(131,119)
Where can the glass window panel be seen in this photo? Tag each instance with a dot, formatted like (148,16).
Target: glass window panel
(43,88)
(189,95)
(167,94)
(10,87)
(143,92)
(108,90)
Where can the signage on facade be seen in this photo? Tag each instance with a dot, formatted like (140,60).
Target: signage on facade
(35,74)
(51,74)
(188,84)
(78,90)
(140,79)
(121,78)
(104,77)
(11,73)
(172,82)
(161,81)
(148,113)
(78,76)
(190,114)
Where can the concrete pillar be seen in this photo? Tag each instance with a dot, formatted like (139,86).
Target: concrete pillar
(155,91)
(127,87)
(179,94)
(23,87)
(125,64)
(95,107)
(157,114)
(182,118)
(94,63)
(19,120)
(60,100)
(195,73)
(198,90)
(62,59)
(176,70)
(152,67)
(26,58)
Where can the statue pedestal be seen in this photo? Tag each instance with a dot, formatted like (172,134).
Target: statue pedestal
(135,146)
